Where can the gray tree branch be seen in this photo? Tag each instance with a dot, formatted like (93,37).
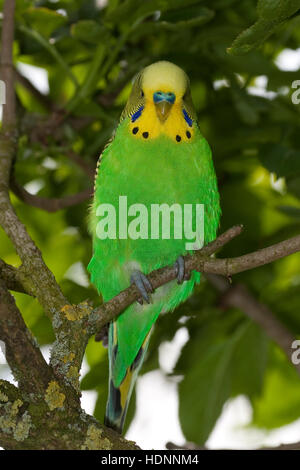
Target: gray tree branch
(49,204)
(22,354)
(200,261)
(10,275)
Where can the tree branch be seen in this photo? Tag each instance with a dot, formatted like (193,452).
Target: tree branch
(88,169)
(200,261)
(8,137)
(192,446)
(25,425)
(10,276)
(34,416)
(240,297)
(7,71)
(43,99)
(46,204)
(23,355)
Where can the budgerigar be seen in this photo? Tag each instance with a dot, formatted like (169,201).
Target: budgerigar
(156,157)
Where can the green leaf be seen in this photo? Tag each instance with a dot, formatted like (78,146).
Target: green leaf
(277,9)
(90,80)
(88,31)
(200,17)
(99,411)
(279,403)
(51,49)
(97,376)
(43,20)
(253,37)
(184,14)
(206,385)
(250,355)
(271,15)
(245,106)
(293,184)
(203,392)
(133,9)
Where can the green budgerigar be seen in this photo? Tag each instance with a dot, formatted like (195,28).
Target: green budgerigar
(153,176)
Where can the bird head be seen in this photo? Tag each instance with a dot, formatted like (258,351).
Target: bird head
(163,85)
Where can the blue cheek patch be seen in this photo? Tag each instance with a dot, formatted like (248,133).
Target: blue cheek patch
(137,114)
(187,118)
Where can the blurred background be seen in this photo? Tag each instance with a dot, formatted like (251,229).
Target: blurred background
(212,376)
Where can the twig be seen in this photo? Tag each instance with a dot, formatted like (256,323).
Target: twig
(43,99)
(240,297)
(47,204)
(292,446)
(192,446)
(201,262)
(51,49)
(229,266)
(186,446)
(89,170)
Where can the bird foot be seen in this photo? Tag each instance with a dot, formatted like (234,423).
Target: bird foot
(182,275)
(103,336)
(143,285)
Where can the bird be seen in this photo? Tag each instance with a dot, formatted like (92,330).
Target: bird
(157,157)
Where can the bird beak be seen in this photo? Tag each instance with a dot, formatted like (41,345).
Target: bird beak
(163,109)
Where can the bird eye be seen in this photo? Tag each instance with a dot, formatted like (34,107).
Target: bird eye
(142,94)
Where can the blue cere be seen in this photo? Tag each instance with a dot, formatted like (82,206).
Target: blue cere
(137,114)
(159,96)
(187,118)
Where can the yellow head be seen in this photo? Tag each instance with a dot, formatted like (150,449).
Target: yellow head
(160,103)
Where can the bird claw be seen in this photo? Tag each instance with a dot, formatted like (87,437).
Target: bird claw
(103,336)
(180,268)
(143,285)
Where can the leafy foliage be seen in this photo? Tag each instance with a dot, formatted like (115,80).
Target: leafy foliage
(90,51)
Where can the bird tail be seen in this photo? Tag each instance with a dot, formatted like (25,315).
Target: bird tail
(119,397)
